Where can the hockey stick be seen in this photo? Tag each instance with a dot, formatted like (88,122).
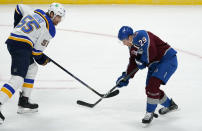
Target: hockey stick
(112,94)
(83,103)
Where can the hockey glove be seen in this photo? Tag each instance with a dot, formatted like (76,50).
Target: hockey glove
(42,59)
(46,62)
(121,81)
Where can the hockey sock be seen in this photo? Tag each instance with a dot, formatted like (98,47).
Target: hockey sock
(8,89)
(27,87)
(7,92)
(151,107)
(153,93)
(166,102)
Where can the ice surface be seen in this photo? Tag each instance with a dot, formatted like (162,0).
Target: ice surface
(86,45)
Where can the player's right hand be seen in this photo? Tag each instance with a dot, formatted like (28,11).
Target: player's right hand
(46,61)
(121,81)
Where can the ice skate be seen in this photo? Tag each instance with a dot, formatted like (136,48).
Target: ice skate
(24,105)
(149,117)
(165,110)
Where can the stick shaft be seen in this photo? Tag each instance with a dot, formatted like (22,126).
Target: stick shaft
(75,77)
(125,78)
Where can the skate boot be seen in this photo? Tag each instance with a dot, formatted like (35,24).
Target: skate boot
(172,107)
(24,105)
(2,118)
(149,117)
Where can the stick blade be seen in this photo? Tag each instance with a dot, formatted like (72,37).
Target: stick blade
(112,94)
(83,103)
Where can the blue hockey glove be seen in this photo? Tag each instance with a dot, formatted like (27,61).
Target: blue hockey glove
(121,82)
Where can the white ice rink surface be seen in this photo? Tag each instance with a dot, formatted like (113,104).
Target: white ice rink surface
(86,45)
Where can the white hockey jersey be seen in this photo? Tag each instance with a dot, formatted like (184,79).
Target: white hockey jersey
(35,28)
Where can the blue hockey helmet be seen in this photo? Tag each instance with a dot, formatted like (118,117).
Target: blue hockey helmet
(124,32)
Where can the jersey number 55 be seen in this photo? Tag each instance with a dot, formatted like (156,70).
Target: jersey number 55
(27,24)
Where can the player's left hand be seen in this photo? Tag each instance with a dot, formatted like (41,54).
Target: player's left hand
(121,81)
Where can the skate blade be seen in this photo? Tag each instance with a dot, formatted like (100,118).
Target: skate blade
(145,125)
(22,110)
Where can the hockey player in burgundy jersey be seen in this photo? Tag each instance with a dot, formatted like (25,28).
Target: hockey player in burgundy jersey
(148,50)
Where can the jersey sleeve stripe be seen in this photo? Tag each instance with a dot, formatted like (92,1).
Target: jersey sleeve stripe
(47,24)
(148,46)
(36,52)
(18,10)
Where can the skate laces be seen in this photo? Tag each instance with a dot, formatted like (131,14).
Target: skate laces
(148,116)
(164,109)
(30,101)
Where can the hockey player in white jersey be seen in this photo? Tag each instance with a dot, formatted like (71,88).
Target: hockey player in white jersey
(33,29)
